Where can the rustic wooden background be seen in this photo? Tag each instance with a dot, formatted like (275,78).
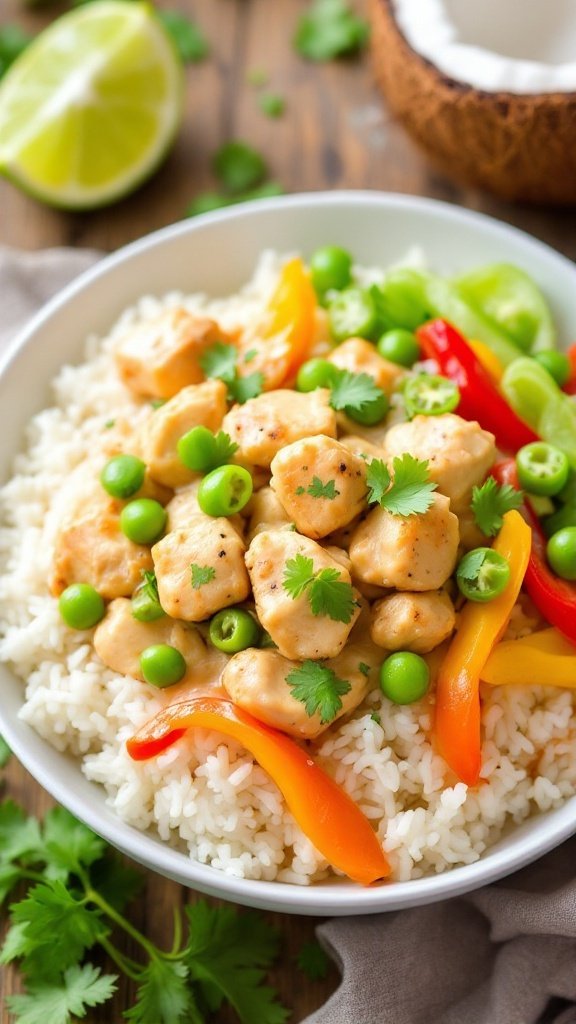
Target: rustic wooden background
(335,133)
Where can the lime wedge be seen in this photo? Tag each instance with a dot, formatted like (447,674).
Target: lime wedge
(91,107)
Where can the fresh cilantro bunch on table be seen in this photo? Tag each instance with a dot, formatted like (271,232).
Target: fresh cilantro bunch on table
(327,593)
(407,493)
(490,502)
(220,361)
(76,892)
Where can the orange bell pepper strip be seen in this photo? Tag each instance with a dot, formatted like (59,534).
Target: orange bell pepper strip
(281,342)
(489,361)
(324,812)
(545,658)
(457,721)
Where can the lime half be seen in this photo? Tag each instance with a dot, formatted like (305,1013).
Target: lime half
(91,107)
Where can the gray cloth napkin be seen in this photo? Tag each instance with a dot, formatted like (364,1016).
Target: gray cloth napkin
(505,954)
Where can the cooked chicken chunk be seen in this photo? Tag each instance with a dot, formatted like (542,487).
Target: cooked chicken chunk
(90,546)
(184,507)
(256,682)
(358,356)
(363,448)
(120,639)
(220,578)
(320,483)
(412,622)
(413,553)
(459,452)
(197,405)
(297,632)
(266,513)
(162,355)
(264,425)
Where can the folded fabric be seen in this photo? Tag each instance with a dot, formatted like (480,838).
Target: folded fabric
(505,954)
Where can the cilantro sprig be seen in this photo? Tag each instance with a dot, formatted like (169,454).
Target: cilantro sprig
(190,42)
(407,493)
(77,890)
(201,574)
(220,361)
(352,392)
(490,502)
(241,172)
(327,593)
(318,688)
(328,29)
(317,489)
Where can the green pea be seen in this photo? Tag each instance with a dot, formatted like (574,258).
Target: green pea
(197,449)
(371,412)
(330,268)
(482,575)
(400,347)
(430,395)
(557,364)
(353,314)
(233,630)
(225,491)
(561,552)
(404,677)
(81,606)
(123,475)
(542,468)
(143,520)
(315,373)
(162,665)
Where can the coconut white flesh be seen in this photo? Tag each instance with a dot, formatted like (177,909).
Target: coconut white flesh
(519,46)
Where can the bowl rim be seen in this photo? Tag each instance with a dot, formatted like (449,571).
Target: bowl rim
(339,898)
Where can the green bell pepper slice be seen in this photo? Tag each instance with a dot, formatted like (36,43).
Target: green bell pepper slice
(536,398)
(512,302)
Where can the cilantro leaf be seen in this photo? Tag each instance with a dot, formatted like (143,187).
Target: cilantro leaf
(353,391)
(377,480)
(331,596)
(411,490)
(58,928)
(116,881)
(239,167)
(376,717)
(225,447)
(313,961)
(328,29)
(319,490)
(271,104)
(470,566)
(150,585)
(164,996)
(298,574)
(13,42)
(318,688)
(257,77)
(190,43)
(69,845)
(208,201)
(243,388)
(219,360)
(57,1002)
(5,752)
(201,574)
(226,954)
(490,502)
(364,668)
(20,836)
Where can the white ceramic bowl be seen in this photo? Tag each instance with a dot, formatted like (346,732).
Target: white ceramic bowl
(216,253)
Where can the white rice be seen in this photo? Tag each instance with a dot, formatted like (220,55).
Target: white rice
(206,795)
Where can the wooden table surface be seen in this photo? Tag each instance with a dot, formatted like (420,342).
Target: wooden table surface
(335,133)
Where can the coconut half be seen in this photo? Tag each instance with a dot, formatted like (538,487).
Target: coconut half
(488,89)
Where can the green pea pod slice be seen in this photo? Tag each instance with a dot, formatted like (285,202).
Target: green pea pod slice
(512,301)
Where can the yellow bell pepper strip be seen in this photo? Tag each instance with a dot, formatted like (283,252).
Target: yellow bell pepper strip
(324,812)
(457,720)
(278,345)
(545,658)
(489,361)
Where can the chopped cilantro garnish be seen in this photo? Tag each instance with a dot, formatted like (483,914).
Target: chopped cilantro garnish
(319,490)
(189,41)
(201,574)
(328,29)
(220,361)
(364,668)
(239,167)
(271,104)
(411,490)
(353,391)
(318,688)
(490,502)
(327,593)
(243,388)
(206,202)
(257,77)
(109,424)
(376,718)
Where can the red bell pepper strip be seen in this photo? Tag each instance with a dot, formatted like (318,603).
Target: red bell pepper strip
(479,398)
(325,813)
(570,385)
(554,597)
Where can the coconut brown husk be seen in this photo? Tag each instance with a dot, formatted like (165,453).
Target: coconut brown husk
(521,147)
